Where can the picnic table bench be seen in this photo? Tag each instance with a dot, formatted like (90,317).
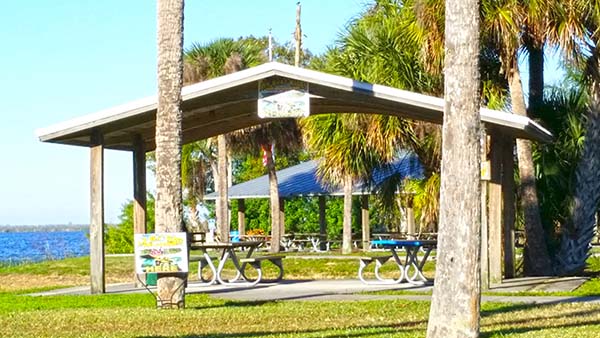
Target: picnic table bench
(228,252)
(411,261)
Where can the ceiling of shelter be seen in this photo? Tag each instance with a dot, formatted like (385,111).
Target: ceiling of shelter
(229,103)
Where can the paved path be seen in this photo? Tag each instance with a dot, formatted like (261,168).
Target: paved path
(320,290)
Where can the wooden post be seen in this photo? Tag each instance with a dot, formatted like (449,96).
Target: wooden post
(242,216)
(282,216)
(508,194)
(364,220)
(97,214)
(495,209)
(322,223)
(485,275)
(139,194)
(410,218)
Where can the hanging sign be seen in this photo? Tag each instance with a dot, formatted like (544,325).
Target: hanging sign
(161,252)
(283,98)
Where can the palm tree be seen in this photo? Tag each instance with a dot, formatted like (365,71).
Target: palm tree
(196,159)
(455,301)
(219,57)
(168,208)
(349,147)
(373,45)
(576,29)
(286,137)
(502,24)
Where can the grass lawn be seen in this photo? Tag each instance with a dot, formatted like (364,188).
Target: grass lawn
(136,316)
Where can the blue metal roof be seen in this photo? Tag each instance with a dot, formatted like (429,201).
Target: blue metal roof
(302,180)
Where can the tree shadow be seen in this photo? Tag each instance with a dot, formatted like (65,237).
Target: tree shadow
(412,328)
(512,326)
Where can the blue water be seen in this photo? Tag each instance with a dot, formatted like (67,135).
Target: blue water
(19,247)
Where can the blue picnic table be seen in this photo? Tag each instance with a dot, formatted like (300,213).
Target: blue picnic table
(411,267)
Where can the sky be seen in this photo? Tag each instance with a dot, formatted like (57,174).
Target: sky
(66,58)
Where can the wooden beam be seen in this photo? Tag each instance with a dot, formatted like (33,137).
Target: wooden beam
(495,209)
(139,194)
(411,229)
(485,271)
(139,186)
(322,223)
(508,204)
(282,216)
(364,221)
(97,214)
(241,216)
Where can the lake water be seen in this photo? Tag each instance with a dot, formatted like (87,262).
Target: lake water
(18,247)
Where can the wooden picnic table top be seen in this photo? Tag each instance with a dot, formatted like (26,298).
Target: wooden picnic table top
(220,245)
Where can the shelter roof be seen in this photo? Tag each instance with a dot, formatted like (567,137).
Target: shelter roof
(229,103)
(302,180)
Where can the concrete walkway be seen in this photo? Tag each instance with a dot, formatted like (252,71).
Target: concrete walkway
(345,290)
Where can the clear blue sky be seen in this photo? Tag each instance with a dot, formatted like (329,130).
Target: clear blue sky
(65,58)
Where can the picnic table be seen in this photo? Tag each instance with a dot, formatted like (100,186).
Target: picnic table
(411,261)
(230,251)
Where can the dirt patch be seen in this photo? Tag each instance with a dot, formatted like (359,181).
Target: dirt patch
(16,282)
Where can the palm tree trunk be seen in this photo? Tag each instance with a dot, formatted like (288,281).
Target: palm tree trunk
(536,75)
(347,223)
(456,295)
(223,188)
(537,259)
(575,244)
(274,196)
(169,207)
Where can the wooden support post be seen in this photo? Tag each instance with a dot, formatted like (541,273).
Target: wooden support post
(242,216)
(139,194)
(495,209)
(411,229)
(508,194)
(322,223)
(485,275)
(364,219)
(97,214)
(282,216)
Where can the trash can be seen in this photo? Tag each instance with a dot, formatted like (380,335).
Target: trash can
(234,235)
(151,279)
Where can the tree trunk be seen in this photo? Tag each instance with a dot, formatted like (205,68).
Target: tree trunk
(536,76)
(347,223)
(274,195)
(537,259)
(456,296)
(223,188)
(169,208)
(575,244)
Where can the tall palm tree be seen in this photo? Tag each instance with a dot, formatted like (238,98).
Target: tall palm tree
(576,29)
(370,48)
(456,295)
(502,24)
(349,148)
(168,208)
(286,137)
(220,57)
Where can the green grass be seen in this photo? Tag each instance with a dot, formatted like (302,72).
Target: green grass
(135,316)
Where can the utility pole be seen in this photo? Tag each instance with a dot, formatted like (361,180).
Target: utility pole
(298,36)
(270,46)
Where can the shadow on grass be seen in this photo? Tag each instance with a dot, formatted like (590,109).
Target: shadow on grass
(410,329)
(527,325)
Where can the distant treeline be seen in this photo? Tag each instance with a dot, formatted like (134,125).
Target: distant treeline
(44,228)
